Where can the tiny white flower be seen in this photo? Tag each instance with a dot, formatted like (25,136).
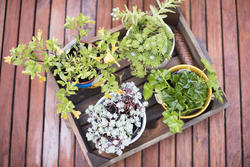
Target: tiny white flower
(151,57)
(133,54)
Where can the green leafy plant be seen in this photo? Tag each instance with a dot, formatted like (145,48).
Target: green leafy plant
(148,41)
(82,62)
(180,93)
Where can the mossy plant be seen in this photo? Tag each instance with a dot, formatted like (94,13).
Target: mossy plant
(148,41)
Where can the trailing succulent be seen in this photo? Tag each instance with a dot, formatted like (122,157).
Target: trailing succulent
(116,120)
(148,41)
(180,93)
(71,66)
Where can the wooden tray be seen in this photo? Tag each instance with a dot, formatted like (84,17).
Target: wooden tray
(155,130)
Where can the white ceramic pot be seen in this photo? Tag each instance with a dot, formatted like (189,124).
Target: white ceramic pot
(143,123)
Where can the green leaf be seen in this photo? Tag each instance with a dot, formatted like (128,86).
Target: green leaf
(171,119)
(212,80)
(147,91)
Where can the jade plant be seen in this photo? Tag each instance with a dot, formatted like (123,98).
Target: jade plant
(148,41)
(82,62)
(181,93)
(115,121)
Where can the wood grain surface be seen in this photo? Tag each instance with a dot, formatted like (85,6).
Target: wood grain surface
(51,122)
(37,91)
(7,80)
(2,22)
(232,84)
(244,58)
(32,134)
(184,140)
(67,138)
(200,130)
(135,160)
(21,90)
(214,42)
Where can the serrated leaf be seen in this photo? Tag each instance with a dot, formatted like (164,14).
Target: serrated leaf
(147,91)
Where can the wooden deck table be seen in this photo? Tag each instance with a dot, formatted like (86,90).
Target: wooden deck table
(32,134)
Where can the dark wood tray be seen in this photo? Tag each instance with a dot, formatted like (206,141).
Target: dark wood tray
(155,130)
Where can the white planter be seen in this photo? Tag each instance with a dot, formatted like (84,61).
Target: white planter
(144,121)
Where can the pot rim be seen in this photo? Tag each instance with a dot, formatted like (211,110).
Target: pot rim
(204,76)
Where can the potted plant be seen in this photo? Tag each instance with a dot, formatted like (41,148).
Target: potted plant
(149,41)
(76,64)
(184,91)
(117,121)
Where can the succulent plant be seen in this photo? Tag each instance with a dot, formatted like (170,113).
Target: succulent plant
(116,120)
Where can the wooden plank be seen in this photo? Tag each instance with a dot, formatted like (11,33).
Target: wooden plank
(120,163)
(118,4)
(200,130)
(198,20)
(103,14)
(191,41)
(232,84)
(167,146)
(21,90)
(67,146)
(134,160)
(88,9)
(184,148)
(138,3)
(7,79)
(67,139)
(185,9)
(244,40)
(2,22)
(184,140)
(167,152)
(147,4)
(80,160)
(167,156)
(35,128)
(51,126)
(150,155)
(217,136)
